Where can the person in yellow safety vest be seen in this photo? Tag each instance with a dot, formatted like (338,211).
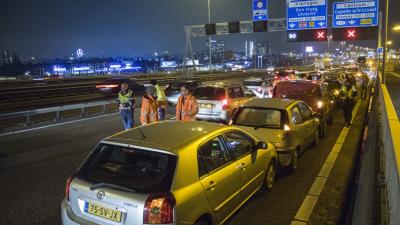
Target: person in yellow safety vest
(126,105)
(161,100)
(149,113)
(348,95)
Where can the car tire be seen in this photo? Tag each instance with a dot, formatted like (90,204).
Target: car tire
(294,162)
(270,176)
(201,222)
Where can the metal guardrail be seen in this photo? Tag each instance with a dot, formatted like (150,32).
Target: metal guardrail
(28,114)
(390,135)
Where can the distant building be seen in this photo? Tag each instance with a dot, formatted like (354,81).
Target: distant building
(218,49)
(9,58)
(249,49)
(263,48)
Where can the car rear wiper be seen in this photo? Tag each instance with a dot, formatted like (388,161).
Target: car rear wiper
(107,185)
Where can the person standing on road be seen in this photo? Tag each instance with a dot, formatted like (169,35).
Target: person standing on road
(161,100)
(187,106)
(148,112)
(364,86)
(348,94)
(126,106)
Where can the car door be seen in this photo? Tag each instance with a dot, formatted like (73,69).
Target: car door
(309,122)
(219,177)
(251,163)
(298,128)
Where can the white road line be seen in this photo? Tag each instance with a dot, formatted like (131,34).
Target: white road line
(56,125)
(311,199)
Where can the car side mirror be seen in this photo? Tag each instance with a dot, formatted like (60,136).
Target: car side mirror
(262,145)
(316,114)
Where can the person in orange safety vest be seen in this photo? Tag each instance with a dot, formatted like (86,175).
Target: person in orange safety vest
(149,110)
(187,106)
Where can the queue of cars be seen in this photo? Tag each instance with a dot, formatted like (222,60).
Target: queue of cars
(175,172)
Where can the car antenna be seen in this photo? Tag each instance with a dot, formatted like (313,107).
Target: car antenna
(141,133)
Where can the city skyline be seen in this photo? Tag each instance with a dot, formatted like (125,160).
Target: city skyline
(117,28)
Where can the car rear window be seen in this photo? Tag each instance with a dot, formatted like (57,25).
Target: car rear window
(259,117)
(295,90)
(140,170)
(209,93)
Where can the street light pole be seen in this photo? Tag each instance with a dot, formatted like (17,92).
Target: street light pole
(209,37)
(385,39)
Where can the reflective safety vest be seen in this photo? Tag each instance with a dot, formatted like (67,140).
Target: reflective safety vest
(188,109)
(125,99)
(148,112)
(161,98)
(348,93)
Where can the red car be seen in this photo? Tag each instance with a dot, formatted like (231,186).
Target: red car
(314,93)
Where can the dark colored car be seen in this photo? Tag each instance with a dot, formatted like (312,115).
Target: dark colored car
(314,93)
(334,87)
(113,86)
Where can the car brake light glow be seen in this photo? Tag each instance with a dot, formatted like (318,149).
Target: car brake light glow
(159,209)
(320,104)
(107,86)
(67,186)
(224,104)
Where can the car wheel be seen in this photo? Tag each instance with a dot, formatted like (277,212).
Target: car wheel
(270,176)
(294,163)
(201,222)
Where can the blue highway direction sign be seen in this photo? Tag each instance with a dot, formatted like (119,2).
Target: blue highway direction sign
(306,14)
(260,10)
(355,14)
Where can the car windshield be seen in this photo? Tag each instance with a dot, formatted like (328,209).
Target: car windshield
(209,93)
(140,170)
(259,117)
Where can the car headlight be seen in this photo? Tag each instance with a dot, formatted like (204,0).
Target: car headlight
(320,104)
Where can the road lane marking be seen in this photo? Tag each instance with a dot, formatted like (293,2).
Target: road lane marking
(307,206)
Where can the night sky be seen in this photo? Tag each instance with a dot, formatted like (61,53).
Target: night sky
(49,28)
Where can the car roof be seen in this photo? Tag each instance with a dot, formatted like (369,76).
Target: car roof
(301,82)
(275,103)
(254,79)
(221,84)
(154,136)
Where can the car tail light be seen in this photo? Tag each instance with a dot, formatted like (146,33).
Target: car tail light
(159,209)
(320,104)
(67,186)
(107,86)
(224,104)
(287,78)
(286,129)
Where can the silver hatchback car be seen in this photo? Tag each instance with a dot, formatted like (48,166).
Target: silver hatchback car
(200,173)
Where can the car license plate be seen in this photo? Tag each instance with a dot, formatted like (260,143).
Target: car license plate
(206,106)
(103,212)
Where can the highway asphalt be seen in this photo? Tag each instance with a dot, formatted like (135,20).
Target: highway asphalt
(35,164)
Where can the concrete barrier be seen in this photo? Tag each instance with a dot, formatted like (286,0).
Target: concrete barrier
(391,155)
